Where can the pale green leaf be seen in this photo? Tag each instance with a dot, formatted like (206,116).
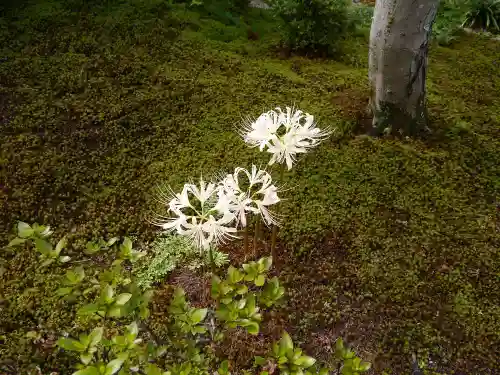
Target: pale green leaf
(112,241)
(133,329)
(113,366)
(86,358)
(90,370)
(43,246)
(198,315)
(88,309)
(95,336)
(107,294)
(123,298)
(64,259)
(365,366)
(16,241)
(70,344)
(285,344)
(305,361)
(259,361)
(64,291)
(24,230)
(260,280)
(61,245)
(47,262)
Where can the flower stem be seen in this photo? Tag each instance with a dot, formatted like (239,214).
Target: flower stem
(275,227)
(245,239)
(212,262)
(256,236)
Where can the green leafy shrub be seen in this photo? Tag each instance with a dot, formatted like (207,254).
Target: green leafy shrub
(122,341)
(170,252)
(314,26)
(449,21)
(483,14)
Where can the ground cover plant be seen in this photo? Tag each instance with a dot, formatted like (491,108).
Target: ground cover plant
(391,244)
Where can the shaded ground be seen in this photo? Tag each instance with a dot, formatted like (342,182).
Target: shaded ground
(392,244)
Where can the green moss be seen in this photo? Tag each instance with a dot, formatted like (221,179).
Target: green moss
(97,110)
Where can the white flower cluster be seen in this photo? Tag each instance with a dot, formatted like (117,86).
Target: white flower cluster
(284,134)
(211,213)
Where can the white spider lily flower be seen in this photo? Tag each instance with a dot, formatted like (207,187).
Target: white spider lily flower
(270,197)
(284,134)
(202,213)
(261,132)
(250,191)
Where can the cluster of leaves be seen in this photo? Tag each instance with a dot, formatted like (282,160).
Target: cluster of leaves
(483,14)
(314,26)
(37,235)
(115,299)
(453,15)
(168,253)
(241,294)
(290,360)
(449,20)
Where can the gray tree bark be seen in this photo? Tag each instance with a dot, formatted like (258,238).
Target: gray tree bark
(399,41)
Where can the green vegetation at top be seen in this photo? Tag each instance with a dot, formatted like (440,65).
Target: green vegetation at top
(390,243)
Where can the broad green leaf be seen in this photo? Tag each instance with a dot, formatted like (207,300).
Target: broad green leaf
(286,344)
(16,241)
(115,312)
(364,366)
(86,358)
(123,298)
(24,230)
(61,244)
(112,241)
(42,230)
(259,361)
(265,264)
(152,369)
(198,329)
(234,275)
(78,275)
(64,259)
(90,370)
(126,247)
(242,289)
(215,289)
(70,344)
(260,280)
(113,366)
(47,262)
(91,248)
(107,294)
(64,291)
(251,304)
(43,246)
(223,368)
(198,315)
(305,361)
(133,329)
(95,336)
(251,326)
(88,309)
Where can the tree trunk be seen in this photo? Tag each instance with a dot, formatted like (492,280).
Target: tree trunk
(399,41)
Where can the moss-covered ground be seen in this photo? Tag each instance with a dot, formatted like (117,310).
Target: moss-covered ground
(391,244)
